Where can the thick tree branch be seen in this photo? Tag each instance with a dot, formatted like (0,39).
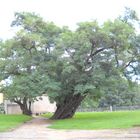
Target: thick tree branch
(129,63)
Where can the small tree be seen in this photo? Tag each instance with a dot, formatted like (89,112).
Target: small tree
(24,90)
(21,56)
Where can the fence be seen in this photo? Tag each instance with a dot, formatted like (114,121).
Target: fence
(2,109)
(114,108)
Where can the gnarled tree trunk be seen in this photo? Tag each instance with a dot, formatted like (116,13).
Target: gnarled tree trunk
(68,108)
(26,109)
(25,106)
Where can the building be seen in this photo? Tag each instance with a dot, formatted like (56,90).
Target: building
(1,98)
(38,107)
(43,106)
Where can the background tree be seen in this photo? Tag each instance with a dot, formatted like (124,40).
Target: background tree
(123,94)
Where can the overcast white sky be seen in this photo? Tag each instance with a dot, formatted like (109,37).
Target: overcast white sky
(63,12)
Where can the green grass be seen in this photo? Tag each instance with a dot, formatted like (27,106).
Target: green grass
(8,122)
(99,120)
(48,115)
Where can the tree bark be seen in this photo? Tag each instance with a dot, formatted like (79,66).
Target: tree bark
(25,106)
(68,108)
(25,109)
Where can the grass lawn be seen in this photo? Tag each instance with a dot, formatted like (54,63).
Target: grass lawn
(99,120)
(8,122)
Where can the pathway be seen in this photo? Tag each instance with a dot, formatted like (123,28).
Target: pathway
(37,130)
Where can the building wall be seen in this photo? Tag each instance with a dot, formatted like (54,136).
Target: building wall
(1,98)
(41,106)
(13,109)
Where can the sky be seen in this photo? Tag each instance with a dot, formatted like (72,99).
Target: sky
(63,12)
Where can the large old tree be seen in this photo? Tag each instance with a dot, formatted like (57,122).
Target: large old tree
(70,65)
(92,59)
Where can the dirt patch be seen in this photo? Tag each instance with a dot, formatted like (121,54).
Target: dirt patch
(36,129)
